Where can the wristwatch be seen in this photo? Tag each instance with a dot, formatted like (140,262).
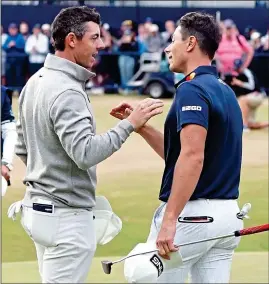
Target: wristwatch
(8,165)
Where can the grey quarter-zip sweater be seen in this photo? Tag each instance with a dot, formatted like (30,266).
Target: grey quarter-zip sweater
(57,137)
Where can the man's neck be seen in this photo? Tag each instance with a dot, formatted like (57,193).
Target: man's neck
(192,65)
(65,55)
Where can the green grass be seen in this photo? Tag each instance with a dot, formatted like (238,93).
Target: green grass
(130,179)
(254,189)
(243,268)
(134,199)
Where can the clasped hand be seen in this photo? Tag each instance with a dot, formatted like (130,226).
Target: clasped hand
(138,115)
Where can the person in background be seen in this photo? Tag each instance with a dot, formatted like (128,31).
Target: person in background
(147,24)
(250,96)
(45,28)
(154,42)
(221,27)
(170,27)
(8,133)
(3,56)
(255,41)
(4,36)
(14,48)
(127,44)
(104,64)
(164,66)
(142,34)
(232,46)
(106,36)
(248,31)
(37,46)
(24,30)
(265,41)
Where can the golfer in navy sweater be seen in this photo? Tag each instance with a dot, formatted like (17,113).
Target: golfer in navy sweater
(202,150)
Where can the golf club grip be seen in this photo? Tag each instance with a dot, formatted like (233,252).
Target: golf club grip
(252,230)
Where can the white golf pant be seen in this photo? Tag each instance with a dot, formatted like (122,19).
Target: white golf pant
(207,262)
(65,243)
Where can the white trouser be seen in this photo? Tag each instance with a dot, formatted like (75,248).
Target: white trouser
(207,262)
(65,243)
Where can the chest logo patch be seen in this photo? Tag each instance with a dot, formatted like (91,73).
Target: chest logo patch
(186,108)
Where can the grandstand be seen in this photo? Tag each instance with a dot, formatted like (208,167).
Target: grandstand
(144,3)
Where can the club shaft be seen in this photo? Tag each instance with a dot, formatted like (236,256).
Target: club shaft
(181,245)
(140,253)
(206,240)
(244,232)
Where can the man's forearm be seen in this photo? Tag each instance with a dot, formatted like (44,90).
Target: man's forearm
(154,138)
(186,175)
(89,150)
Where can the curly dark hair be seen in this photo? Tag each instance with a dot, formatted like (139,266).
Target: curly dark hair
(204,28)
(72,19)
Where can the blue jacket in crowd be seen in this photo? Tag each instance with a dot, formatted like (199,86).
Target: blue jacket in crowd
(19,41)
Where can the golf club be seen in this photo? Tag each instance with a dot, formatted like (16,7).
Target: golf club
(107,264)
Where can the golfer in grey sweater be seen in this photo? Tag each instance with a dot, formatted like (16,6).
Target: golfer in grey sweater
(57,141)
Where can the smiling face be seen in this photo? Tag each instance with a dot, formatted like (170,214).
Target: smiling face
(194,42)
(177,52)
(85,50)
(76,35)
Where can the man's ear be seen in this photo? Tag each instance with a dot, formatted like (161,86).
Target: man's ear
(191,43)
(71,40)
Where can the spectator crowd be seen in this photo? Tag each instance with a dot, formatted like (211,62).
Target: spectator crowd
(24,51)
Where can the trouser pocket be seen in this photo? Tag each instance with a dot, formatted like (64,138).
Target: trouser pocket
(26,220)
(44,228)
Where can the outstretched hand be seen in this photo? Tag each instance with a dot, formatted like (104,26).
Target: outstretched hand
(122,111)
(140,114)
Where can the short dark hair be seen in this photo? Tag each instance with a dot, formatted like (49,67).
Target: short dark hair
(205,28)
(72,19)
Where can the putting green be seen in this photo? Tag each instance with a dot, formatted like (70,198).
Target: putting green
(248,267)
(130,179)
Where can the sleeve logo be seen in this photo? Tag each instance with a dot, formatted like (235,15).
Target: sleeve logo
(186,108)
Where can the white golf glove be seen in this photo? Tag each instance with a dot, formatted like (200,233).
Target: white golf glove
(14,209)
(244,211)
(107,223)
